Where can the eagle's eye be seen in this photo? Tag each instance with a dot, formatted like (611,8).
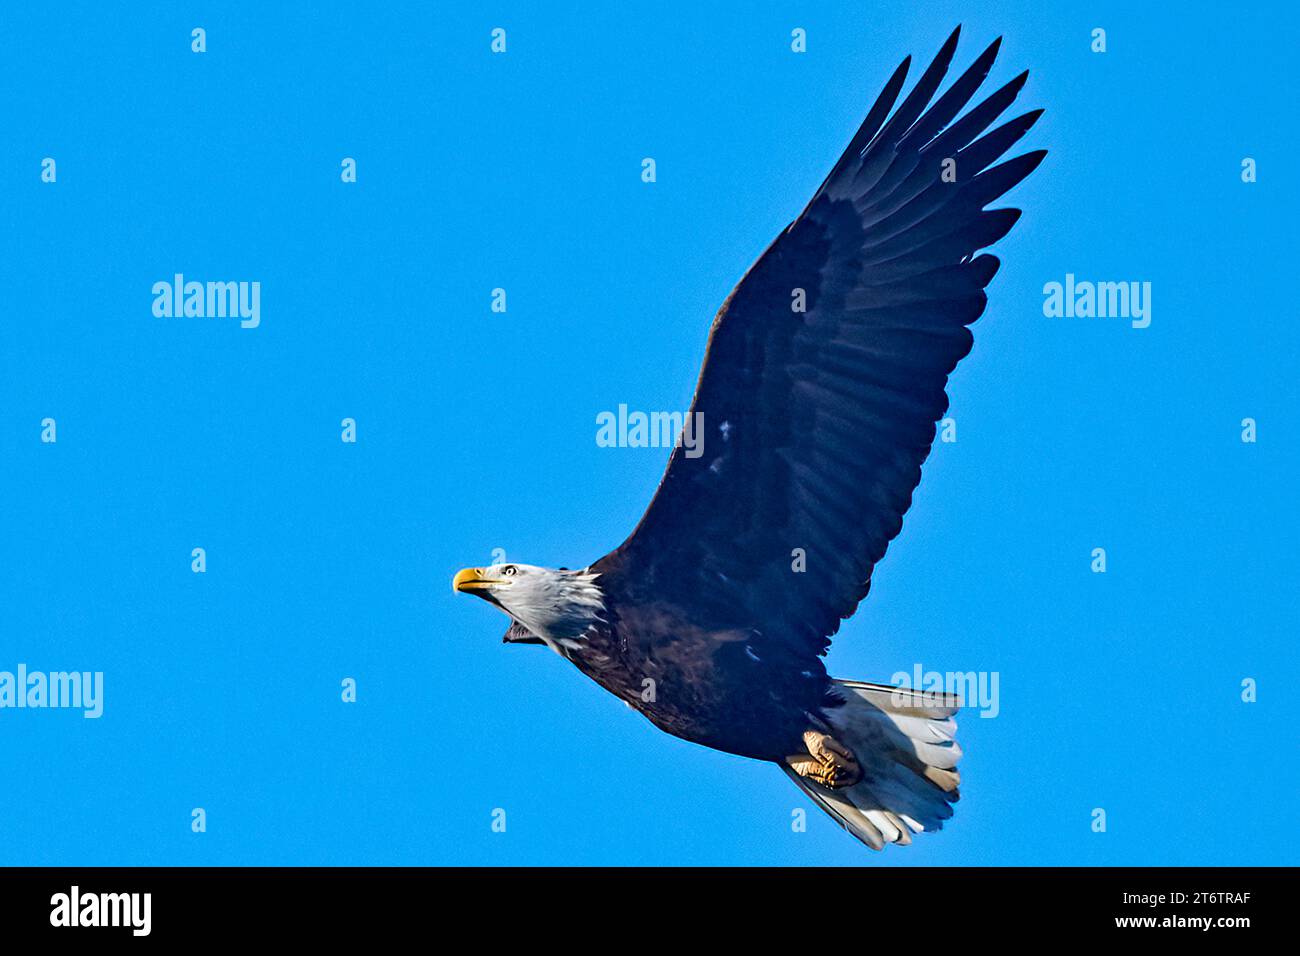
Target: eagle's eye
(509,570)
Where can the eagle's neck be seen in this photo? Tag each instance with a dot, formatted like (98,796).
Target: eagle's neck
(563,611)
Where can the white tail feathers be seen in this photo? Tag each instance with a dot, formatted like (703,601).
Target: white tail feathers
(904,741)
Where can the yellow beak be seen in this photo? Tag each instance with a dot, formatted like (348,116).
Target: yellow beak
(470,579)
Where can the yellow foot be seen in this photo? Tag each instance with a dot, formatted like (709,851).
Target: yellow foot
(828,761)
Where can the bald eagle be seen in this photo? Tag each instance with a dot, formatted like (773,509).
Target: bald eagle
(816,423)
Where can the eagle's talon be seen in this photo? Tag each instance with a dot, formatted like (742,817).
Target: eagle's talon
(832,764)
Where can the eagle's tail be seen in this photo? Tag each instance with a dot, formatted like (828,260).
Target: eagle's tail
(903,741)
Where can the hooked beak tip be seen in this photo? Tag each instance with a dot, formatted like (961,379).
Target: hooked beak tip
(468,579)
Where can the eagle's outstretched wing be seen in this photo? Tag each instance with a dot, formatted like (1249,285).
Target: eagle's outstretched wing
(826,369)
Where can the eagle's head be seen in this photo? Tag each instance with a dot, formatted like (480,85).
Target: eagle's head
(554,603)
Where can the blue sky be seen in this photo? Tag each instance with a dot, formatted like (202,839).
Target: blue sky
(476,430)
